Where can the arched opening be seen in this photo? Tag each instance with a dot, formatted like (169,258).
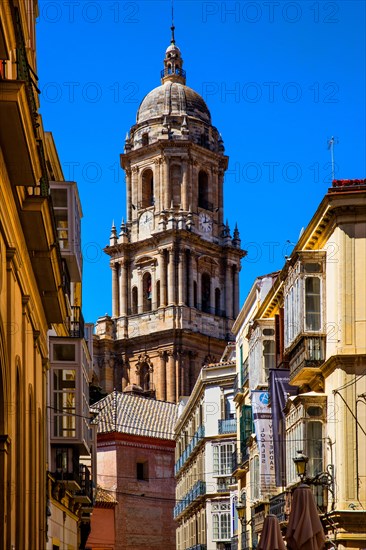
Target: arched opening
(158,294)
(146,283)
(217,301)
(147,189)
(176,183)
(203,190)
(206,293)
(135,300)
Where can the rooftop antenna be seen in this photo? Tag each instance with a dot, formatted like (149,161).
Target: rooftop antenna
(172,28)
(331,142)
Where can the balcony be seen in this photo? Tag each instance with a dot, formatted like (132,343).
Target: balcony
(306,358)
(227,426)
(168,72)
(85,495)
(198,490)
(196,439)
(76,323)
(278,506)
(71,480)
(198,547)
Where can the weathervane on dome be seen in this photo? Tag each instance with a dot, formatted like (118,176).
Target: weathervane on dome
(172,28)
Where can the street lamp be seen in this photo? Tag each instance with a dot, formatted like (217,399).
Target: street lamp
(325,478)
(301,461)
(241,510)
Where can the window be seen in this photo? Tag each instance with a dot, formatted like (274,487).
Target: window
(203,190)
(142,471)
(134,300)
(206,293)
(147,291)
(222,459)
(269,356)
(303,301)
(221,522)
(304,432)
(176,182)
(312,304)
(64,402)
(147,185)
(64,352)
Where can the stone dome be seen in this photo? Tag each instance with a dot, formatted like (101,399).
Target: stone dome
(173,99)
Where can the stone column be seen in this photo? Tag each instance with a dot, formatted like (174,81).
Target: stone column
(161,394)
(229,290)
(157,185)
(236,292)
(199,287)
(167,184)
(171,385)
(128,195)
(135,196)
(171,276)
(123,288)
(181,278)
(220,194)
(191,276)
(140,286)
(184,197)
(115,305)
(153,288)
(163,277)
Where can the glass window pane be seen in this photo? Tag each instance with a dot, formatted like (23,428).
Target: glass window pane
(59,198)
(64,352)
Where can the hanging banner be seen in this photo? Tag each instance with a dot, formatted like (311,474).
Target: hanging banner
(262,419)
(279,390)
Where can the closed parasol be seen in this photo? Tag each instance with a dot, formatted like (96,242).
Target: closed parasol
(304,529)
(271,538)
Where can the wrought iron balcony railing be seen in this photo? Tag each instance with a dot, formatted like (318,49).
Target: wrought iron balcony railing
(198,436)
(227,426)
(198,489)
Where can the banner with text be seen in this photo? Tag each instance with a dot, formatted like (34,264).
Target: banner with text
(262,418)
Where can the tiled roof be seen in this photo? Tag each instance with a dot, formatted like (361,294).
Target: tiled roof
(103,497)
(136,415)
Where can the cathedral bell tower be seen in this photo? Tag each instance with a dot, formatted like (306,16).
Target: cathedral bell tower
(175,266)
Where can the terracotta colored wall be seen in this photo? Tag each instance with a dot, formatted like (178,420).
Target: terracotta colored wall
(144,515)
(102,535)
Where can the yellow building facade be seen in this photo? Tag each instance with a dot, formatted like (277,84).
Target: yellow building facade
(40,301)
(317,310)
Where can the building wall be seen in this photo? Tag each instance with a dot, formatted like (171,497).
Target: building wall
(144,514)
(102,535)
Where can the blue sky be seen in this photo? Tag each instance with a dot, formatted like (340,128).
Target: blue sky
(280,78)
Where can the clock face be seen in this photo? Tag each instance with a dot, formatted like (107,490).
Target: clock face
(205,223)
(146,222)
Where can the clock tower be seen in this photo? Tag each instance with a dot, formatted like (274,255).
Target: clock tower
(175,265)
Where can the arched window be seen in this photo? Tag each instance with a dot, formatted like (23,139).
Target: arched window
(135,300)
(147,189)
(176,183)
(146,283)
(206,293)
(217,301)
(203,190)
